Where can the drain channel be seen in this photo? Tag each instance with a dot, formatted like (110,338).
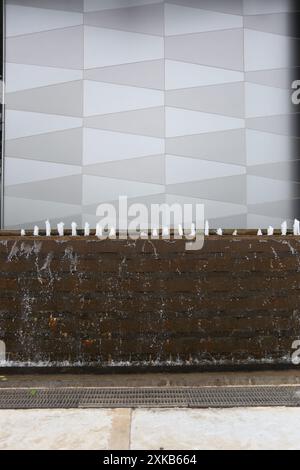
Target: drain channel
(194,397)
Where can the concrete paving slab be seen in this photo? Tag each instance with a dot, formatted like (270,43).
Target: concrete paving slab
(228,429)
(64,429)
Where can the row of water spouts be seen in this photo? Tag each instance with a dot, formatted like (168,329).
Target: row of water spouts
(99,230)
(284,229)
(270,229)
(155,232)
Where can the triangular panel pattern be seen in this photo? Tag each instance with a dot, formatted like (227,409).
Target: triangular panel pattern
(184,101)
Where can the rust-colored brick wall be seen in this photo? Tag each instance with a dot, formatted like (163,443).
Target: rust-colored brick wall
(83,301)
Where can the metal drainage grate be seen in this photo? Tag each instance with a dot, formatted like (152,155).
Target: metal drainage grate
(194,397)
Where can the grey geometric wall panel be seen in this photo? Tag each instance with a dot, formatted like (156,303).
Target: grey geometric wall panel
(24,124)
(145,169)
(257,7)
(104,146)
(261,100)
(278,171)
(22,20)
(260,47)
(228,189)
(125,47)
(60,147)
(146,19)
(66,189)
(145,74)
(223,49)
(281,209)
(67,5)
(181,169)
(163,100)
(181,121)
(96,5)
(63,98)
(223,146)
(267,147)
(30,171)
(279,124)
(180,20)
(25,77)
(279,78)
(277,23)
(184,74)
(58,48)
(147,122)
(233,7)
(227,99)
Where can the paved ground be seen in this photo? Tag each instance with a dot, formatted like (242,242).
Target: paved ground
(190,379)
(182,429)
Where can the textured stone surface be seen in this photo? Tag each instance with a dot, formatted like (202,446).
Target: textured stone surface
(65,429)
(233,429)
(240,429)
(76,301)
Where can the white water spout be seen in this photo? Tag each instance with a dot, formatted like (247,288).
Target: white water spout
(296,227)
(60,229)
(23,233)
(284,228)
(206,228)
(270,231)
(86,229)
(48,228)
(74,229)
(234,233)
(180,230)
(193,230)
(259,232)
(99,231)
(36,231)
(112,233)
(155,233)
(165,232)
(219,232)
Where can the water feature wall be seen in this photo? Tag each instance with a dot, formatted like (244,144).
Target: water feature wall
(80,301)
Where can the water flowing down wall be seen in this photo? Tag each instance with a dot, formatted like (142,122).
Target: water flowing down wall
(149,303)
